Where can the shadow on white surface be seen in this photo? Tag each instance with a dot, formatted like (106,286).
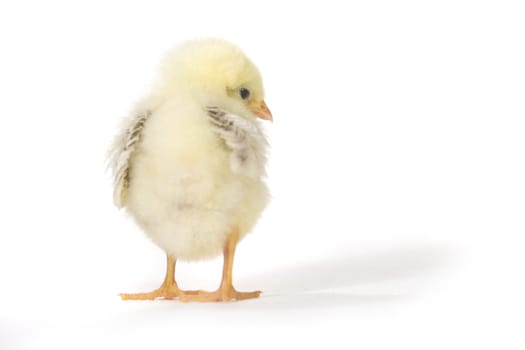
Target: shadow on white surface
(382,267)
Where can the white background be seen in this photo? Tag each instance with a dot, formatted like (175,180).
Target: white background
(397,172)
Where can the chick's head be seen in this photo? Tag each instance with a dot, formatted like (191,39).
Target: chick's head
(216,71)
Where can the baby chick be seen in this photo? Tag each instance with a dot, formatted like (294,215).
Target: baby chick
(189,162)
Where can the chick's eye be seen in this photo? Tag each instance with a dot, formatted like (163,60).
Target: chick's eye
(245,93)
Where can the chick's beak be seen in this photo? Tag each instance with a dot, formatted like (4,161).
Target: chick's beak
(262,111)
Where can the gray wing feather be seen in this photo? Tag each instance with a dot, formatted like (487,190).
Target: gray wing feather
(244,138)
(121,153)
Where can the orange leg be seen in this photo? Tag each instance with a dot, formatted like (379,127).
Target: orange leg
(168,289)
(226,292)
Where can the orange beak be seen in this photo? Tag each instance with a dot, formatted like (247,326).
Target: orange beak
(262,111)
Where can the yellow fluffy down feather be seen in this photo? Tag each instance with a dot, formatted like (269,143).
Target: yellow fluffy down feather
(189,161)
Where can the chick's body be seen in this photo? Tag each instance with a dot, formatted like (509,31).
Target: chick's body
(184,193)
(189,161)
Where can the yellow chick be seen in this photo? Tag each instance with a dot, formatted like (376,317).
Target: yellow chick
(189,162)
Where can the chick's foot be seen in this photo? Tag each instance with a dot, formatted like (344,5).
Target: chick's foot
(164,292)
(222,294)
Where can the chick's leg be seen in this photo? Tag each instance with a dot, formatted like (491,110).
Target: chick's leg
(168,289)
(226,292)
